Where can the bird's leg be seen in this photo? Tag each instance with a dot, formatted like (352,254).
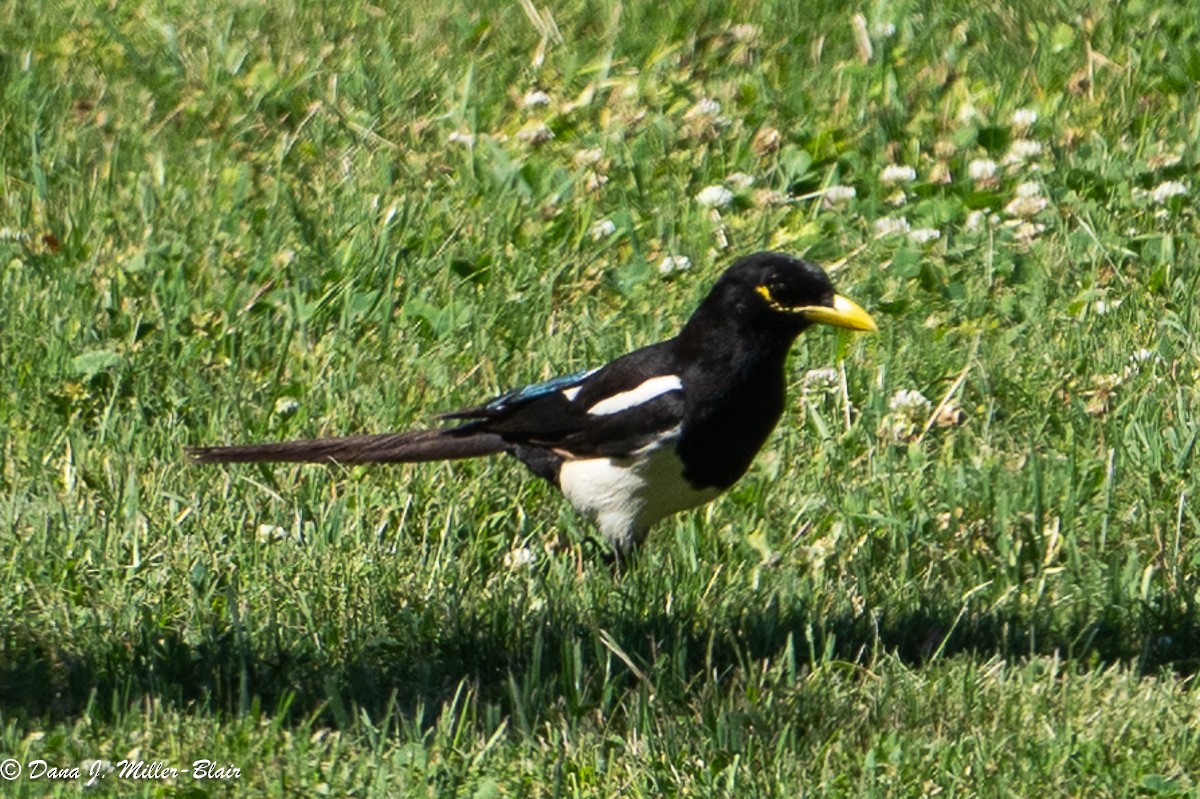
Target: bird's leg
(618,560)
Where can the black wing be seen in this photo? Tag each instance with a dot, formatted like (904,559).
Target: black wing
(613,411)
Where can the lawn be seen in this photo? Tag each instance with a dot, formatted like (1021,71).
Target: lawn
(966,564)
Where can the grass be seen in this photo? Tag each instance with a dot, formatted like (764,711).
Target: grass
(248,221)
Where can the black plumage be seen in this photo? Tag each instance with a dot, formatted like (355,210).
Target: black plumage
(656,431)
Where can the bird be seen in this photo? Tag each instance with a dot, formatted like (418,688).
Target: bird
(660,430)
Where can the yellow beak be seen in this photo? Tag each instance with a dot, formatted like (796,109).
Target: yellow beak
(844,313)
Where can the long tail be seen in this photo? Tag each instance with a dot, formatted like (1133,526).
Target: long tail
(411,447)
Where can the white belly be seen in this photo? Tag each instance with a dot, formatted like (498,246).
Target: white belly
(623,497)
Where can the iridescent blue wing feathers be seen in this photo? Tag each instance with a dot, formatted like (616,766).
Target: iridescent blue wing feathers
(511,399)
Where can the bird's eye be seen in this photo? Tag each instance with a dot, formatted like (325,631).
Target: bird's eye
(779,290)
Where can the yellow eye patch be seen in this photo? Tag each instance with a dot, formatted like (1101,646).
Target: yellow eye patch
(766,295)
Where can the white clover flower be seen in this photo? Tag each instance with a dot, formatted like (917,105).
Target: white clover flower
(704,107)
(1026,148)
(1163,160)
(588,157)
(1028,189)
(1023,150)
(720,236)
(537,133)
(714,196)
(909,401)
(766,141)
(671,264)
(286,406)
(890,225)
(897,173)
(924,235)
(270,533)
(1137,360)
(944,149)
(823,379)
(907,410)
(1164,191)
(1026,207)
(883,30)
(1024,118)
(535,99)
(967,112)
(764,198)
(703,120)
(982,169)
(740,181)
(284,257)
(745,32)
(602,229)
(521,557)
(977,220)
(1026,232)
(461,137)
(837,195)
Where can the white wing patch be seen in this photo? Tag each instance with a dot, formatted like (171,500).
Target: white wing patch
(654,387)
(571,393)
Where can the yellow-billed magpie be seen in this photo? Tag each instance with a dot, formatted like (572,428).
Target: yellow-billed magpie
(660,430)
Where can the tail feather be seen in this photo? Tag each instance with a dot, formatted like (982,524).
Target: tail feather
(411,447)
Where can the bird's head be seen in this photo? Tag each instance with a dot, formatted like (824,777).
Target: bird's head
(776,292)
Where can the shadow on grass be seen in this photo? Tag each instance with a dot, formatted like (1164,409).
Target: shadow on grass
(551,657)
